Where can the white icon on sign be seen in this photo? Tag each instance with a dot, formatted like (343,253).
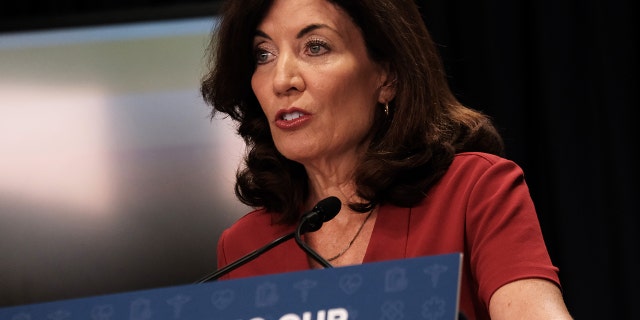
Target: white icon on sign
(350,283)
(266,295)
(140,310)
(304,286)
(177,302)
(392,310)
(435,271)
(59,315)
(433,309)
(221,299)
(103,312)
(396,280)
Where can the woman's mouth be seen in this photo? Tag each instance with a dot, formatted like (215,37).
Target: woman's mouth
(292,115)
(292,119)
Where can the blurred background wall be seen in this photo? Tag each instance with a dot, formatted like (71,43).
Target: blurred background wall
(113,178)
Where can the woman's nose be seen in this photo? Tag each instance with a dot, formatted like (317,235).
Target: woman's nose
(287,76)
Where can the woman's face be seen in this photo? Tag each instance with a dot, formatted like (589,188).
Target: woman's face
(315,82)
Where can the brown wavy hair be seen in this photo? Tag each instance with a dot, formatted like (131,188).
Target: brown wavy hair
(410,148)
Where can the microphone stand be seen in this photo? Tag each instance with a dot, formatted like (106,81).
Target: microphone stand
(312,253)
(252,255)
(311,221)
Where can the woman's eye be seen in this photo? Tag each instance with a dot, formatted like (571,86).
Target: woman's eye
(316,48)
(262,56)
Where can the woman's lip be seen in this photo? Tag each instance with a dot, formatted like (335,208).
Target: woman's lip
(281,113)
(301,119)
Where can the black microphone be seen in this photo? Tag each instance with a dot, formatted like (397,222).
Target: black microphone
(322,212)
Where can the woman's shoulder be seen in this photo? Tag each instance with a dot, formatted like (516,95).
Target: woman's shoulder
(480,161)
(473,170)
(478,158)
(258,225)
(252,218)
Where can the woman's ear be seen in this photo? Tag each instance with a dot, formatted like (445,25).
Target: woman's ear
(388,86)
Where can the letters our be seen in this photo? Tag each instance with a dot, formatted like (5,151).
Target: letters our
(331,314)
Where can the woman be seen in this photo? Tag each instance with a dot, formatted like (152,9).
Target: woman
(349,99)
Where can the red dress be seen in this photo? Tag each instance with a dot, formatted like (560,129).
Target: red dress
(480,207)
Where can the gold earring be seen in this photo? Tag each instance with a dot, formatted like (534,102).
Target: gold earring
(386,109)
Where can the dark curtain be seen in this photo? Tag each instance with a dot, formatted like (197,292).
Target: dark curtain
(560,80)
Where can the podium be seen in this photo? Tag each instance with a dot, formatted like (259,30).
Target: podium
(412,289)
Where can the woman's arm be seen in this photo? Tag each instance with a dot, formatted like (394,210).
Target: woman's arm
(528,299)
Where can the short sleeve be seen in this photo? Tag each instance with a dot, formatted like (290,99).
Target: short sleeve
(503,231)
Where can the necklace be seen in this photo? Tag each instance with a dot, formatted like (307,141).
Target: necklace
(352,240)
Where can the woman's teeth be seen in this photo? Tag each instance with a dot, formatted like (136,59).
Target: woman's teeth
(292,116)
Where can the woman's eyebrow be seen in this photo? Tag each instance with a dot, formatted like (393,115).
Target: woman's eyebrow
(311,28)
(301,33)
(260,33)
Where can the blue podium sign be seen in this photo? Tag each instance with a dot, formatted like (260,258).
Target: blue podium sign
(407,289)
